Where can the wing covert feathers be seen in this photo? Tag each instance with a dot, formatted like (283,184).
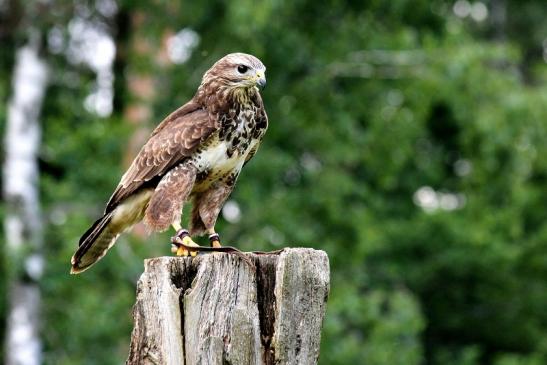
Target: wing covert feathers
(174,140)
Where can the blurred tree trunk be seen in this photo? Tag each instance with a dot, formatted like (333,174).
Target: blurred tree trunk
(146,57)
(499,18)
(145,53)
(22,222)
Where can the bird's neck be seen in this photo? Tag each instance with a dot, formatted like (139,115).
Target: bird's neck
(219,98)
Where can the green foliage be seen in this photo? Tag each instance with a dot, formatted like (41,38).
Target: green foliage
(377,327)
(369,103)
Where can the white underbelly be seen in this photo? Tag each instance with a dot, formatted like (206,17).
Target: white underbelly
(218,165)
(215,158)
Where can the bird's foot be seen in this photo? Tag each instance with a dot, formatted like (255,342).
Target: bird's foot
(214,240)
(182,244)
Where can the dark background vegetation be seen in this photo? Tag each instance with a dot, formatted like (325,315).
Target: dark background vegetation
(407,139)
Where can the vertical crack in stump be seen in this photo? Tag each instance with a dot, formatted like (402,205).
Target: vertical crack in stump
(265,284)
(156,338)
(222,311)
(182,277)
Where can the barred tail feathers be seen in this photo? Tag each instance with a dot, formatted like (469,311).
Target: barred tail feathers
(102,235)
(94,244)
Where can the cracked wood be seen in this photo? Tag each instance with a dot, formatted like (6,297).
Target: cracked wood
(217,309)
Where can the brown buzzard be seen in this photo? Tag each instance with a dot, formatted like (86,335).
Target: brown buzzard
(196,154)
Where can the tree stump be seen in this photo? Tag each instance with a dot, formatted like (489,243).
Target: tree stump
(218,309)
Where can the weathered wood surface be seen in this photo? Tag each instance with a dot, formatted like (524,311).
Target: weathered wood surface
(216,309)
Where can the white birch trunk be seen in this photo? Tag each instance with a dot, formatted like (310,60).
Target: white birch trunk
(22,224)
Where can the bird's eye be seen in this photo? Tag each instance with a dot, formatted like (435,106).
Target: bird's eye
(242,69)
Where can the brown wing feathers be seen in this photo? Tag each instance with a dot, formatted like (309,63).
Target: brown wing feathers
(174,140)
(167,146)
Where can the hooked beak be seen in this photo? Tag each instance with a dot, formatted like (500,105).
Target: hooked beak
(260,80)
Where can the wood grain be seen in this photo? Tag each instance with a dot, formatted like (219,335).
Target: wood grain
(218,309)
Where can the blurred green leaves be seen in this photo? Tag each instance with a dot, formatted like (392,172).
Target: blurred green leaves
(369,103)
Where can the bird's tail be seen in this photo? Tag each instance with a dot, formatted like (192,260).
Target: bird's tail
(102,235)
(94,244)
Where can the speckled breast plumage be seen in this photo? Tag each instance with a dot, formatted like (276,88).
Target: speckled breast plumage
(221,157)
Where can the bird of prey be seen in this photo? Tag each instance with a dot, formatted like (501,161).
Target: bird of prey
(195,154)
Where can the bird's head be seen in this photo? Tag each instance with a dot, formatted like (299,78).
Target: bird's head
(237,71)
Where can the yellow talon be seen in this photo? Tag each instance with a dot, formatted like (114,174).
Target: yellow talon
(181,251)
(189,242)
(184,237)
